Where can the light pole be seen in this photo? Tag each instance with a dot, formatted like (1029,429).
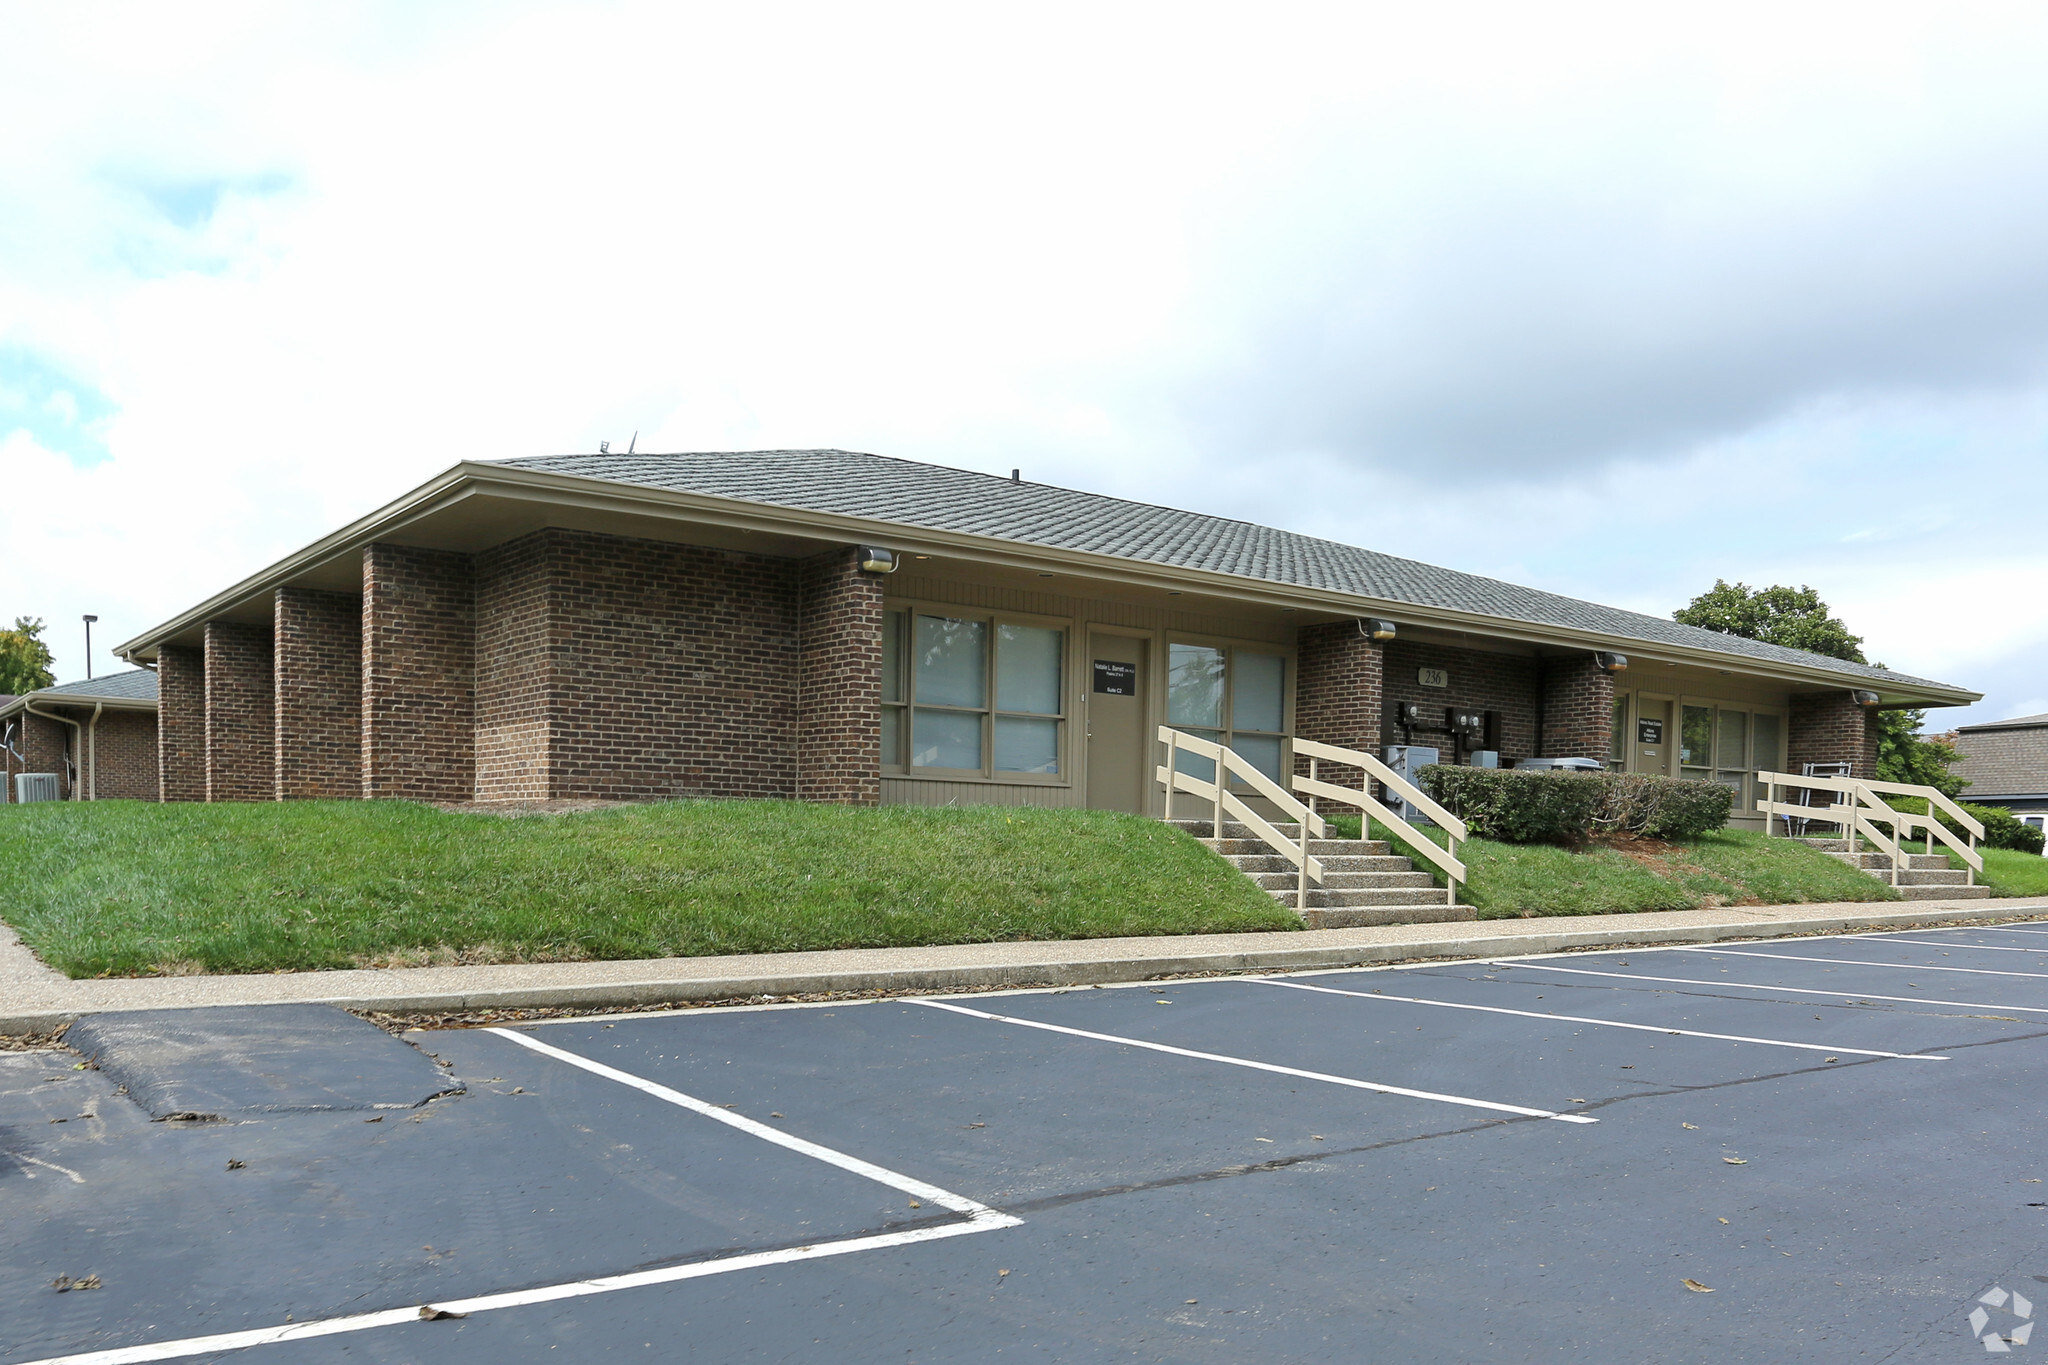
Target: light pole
(89,619)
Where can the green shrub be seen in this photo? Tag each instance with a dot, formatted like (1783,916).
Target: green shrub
(2002,829)
(1564,807)
(1662,807)
(1518,808)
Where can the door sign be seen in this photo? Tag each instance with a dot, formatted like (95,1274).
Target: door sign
(1433,677)
(1649,732)
(1116,679)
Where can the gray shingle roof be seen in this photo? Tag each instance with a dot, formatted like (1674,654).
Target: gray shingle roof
(846,483)
(136,685)
(2004,758)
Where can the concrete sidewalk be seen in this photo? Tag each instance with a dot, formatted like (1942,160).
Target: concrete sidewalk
(34,999)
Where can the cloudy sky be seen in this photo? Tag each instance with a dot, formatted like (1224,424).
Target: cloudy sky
(1594,298)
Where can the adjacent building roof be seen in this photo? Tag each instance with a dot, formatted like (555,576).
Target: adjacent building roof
(876,487)
(2004,757)
(131,691)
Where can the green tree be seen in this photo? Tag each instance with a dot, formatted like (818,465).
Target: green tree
(1797,619)
(1793,617)
(24,658)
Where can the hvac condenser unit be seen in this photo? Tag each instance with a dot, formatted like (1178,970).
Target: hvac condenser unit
(35,786)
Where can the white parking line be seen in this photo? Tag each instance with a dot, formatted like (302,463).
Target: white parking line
(1851,962)
(980,1218)
(2007,929)
(1751,986)
(1355,1084)
(1946,947)
(1603,1023)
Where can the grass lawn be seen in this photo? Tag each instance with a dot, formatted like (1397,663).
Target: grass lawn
(130,888)
(2011,873)
(1728,867)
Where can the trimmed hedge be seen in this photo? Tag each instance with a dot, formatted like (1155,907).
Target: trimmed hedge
(1565,807)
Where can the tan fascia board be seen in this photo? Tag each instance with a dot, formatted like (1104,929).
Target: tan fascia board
(467,479)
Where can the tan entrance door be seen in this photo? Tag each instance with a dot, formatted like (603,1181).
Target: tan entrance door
(1115,683)
(1654,740)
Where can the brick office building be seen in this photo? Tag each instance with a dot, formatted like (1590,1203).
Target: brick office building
(97,736)
(840,627)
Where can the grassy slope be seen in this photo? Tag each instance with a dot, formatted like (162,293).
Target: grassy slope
(124,887)
(1728,867)
(2010,873)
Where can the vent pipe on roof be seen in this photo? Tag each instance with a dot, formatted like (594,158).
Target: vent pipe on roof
(1017,476)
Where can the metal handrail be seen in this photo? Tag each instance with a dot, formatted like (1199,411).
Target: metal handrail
(1372,809)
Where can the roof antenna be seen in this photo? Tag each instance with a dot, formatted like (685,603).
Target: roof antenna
(634,442)
(604,447)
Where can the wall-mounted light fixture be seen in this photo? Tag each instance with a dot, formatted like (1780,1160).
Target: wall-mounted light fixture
(1374,628)
(1611,662)
(874,559)
(1863,698)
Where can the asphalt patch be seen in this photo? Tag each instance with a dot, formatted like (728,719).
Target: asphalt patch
(261,1059)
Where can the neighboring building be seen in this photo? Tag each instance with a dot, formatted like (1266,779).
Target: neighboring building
(842,627)
(98,736)
(2006,762)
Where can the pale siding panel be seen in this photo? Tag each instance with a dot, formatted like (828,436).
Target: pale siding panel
(902,791)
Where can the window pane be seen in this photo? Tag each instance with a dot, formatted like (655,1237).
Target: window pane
(1194,765)
(1764,744)
(892,658)
(952,663)
(1617,744)
(1734,739)
(1027,673)
(1194,686)
(1256,699)
(1263,751)
(892,734)
(1027,746)
(945,739)
(1696,735)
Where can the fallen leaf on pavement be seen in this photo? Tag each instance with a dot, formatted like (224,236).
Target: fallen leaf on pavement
(1693,1126)
(1736,1160)
(1696,1287)
(429,1313)
(1720,1220)
(234,1165)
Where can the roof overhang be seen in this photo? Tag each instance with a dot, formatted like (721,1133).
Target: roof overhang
(73,701)
(473,505)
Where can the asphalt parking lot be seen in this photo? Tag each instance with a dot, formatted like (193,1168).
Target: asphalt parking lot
(1794,1150)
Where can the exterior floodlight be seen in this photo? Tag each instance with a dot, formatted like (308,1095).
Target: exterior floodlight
(1373,628)
(1862,698)
(1610,662)
(873,559)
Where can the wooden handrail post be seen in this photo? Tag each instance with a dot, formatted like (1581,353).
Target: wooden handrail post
(1172,767)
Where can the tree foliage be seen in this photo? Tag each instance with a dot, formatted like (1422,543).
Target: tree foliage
(1793,617)
(1797,619)
(24,658)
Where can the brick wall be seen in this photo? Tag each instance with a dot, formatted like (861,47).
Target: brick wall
(240,715)
(516,689)
(44,745)
(181,722)
(418,672)
(675,669)
(1828,727)
(126,741)
(1339,678)
(1578,709)
(317,679)
(839,680)
(1479,681)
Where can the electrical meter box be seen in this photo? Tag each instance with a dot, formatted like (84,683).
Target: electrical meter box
(1408,760)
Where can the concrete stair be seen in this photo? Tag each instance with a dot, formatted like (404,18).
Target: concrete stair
(1364,880)
(1925,877)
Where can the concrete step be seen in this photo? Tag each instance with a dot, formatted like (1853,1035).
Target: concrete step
(1341,881)
(1945,877)
(1353,897)
(1355,918)
(1321,848)
(1882,862)
(1944,893)
(1332,862)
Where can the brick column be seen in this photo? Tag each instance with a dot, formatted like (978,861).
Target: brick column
(839,681)
(1578,709)
(181,722)
(418,680)
(317,662)
(1829,727)
(1339,682)
(239,714)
